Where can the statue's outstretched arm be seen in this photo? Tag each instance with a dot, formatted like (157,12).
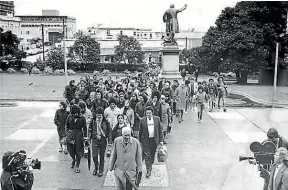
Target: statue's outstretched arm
(182,9)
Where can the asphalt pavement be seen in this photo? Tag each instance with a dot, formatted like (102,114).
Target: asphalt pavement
(201,156)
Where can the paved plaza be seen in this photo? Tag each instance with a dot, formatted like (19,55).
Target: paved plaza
(201,155)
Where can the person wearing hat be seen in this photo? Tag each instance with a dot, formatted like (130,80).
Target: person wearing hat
(76,131)
(150,135)
(279,172)
(126,160)
(60,121)
(99,132)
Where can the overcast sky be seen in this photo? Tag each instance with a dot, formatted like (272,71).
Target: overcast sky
(199,14)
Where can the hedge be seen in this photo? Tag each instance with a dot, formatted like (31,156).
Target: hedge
(107,66)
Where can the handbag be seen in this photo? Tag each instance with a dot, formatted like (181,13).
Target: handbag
(70,137)
(162,154)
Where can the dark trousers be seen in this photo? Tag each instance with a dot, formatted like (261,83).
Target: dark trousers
(74,152)
(99,149)
(174,107)
(149,150)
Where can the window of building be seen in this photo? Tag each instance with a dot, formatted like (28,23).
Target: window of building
(107,58)
(160,58)
(108,32)
(134,33)
(150,59)
(150,36)
(27,32)
(121,32)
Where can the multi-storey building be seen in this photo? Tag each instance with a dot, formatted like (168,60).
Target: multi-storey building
(150,41)
(7,19)
(52,26)
(7,7)
(9,22)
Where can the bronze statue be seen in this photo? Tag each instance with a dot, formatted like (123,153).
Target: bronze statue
(172,26)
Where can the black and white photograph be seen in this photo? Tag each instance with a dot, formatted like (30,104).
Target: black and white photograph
(143,95)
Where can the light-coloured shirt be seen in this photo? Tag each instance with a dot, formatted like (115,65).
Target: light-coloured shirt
(150,123)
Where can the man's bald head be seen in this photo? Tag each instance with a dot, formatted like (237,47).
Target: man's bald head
(172,6)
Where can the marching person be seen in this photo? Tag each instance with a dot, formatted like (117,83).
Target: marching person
(181,94)
(60,121)
(99,101)
(139,114)
(212,92)
(222,92)
(128,112)
(69,91)
(201,98)
(99,132)
(88,116)
(279,172)
(112,112)
(117,130)
(165,117)
(76,131)
(151,135)
(126,160)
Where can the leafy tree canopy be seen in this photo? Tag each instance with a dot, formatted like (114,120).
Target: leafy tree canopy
(128,50)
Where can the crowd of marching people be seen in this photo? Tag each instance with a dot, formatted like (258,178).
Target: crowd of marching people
(99,110)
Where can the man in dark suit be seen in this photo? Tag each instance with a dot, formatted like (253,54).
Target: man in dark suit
(151,135)
(279,172)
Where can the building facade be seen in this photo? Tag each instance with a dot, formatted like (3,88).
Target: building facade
(7,8)
(9,22)
(52,26)
(151,41)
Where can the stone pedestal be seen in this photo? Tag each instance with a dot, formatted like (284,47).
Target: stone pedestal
(170,63)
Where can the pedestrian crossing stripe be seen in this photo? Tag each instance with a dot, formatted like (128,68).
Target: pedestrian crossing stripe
(158,178)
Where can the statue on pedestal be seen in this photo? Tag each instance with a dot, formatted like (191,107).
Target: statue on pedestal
(172,25)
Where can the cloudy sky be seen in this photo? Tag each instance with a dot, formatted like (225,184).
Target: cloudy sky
(129,13)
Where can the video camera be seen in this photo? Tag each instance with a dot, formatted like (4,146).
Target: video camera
(263,153)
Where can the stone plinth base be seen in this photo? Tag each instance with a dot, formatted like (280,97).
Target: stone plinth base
(170,64)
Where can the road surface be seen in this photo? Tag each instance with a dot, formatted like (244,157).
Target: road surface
(202,156)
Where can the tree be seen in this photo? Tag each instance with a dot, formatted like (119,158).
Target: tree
(128,51)
(86,50)
(194,58)
(9,50)
(55,58)
(244,37)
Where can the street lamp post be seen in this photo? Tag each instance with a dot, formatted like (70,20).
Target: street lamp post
(64,49)
(275,73)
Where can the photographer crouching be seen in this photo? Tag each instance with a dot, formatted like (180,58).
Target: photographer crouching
(18,171)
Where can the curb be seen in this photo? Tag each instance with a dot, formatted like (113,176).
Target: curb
(31,100)
(257,100)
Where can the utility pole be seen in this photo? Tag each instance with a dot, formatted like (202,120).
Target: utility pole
(275,73)
(64,49)
(186,42)
(42,26)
